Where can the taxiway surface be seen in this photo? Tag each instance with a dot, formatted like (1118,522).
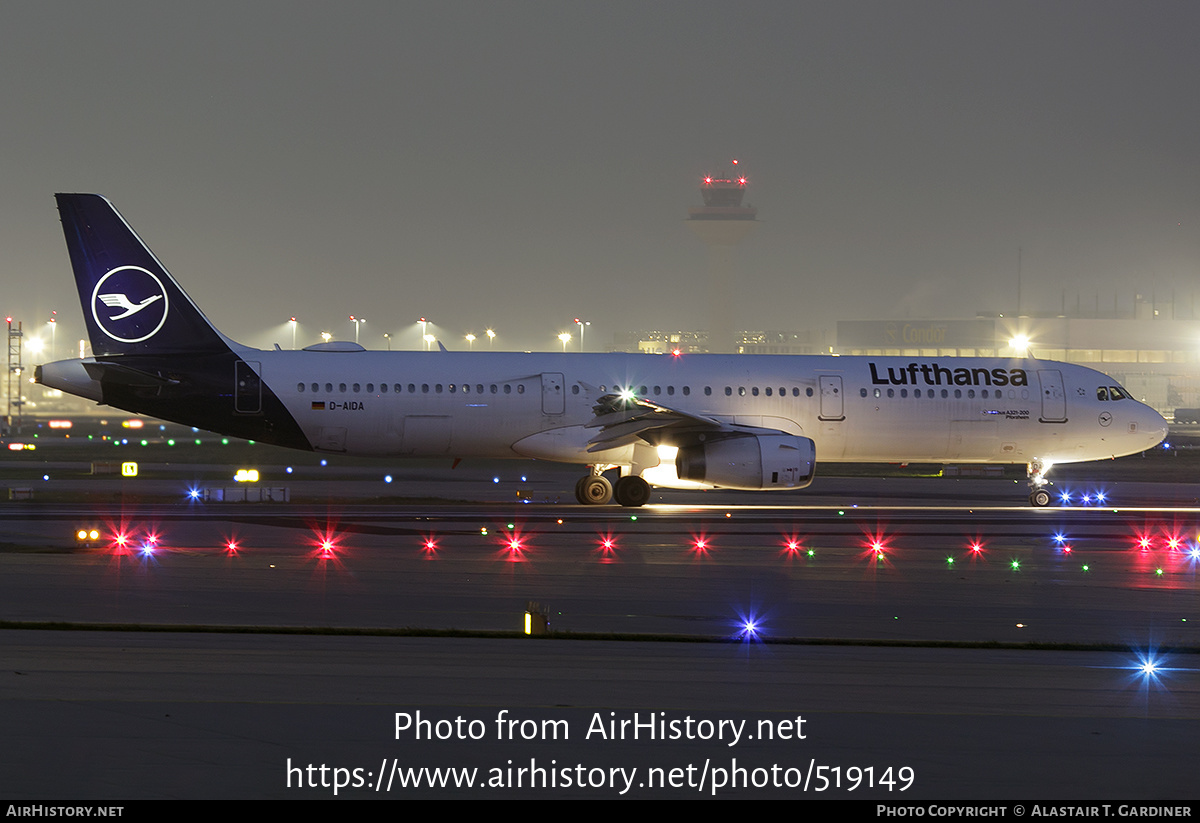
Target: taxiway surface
(1073,599)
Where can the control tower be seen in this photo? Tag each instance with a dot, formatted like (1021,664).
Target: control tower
(721,224)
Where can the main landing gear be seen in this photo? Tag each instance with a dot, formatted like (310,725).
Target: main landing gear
(1039,495)
(595,490)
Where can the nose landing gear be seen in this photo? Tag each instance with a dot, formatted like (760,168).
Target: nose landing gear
(1039,495)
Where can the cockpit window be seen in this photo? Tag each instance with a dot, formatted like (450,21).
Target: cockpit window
(1102,393)
(1115,393)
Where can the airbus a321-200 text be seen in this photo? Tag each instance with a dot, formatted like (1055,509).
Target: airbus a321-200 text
(690,421)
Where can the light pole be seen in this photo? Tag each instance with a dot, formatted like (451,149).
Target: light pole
(53,334)
(429,338)
(388,338)
(293,322)
(357,321)
(565,338)
(470,342)
(491,337)
(581,324)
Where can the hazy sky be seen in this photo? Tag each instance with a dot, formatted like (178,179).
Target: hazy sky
(517,164)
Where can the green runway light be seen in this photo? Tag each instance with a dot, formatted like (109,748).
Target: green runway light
(1016,565)
(950,560)
(812,553)
(1086,567)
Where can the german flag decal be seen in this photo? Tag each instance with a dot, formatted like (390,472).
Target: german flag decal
(318,405)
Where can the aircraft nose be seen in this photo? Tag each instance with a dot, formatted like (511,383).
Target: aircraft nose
(1154,426)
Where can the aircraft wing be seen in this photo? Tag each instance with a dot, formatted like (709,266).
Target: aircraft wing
(623,420)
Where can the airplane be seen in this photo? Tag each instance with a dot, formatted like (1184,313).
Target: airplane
(676,421)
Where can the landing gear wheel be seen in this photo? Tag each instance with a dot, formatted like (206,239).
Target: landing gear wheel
(593,490)
(632,491)
(1039,498)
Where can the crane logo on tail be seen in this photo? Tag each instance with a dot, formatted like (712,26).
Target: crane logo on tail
(129,304)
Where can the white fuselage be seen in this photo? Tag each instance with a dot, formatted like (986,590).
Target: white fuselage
(855,409)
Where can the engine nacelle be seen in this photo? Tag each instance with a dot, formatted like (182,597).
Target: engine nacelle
(752,462)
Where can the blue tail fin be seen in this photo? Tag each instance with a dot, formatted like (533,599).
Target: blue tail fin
(131,304)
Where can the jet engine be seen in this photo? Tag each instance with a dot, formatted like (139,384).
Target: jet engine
(752,462)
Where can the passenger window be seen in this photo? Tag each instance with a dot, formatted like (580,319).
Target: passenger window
(452,388)
(520,388)
(877,392)
(728,392)
(670,391)
(768,391)
(904,392)
(808,392)
(370,388)
(300,387)
(383,388)
(754,391)
(945,393)
(891,392)
(316,387)
(657,390)
(508,388)
(958,394)
(862,392)
(437,388)
(479,388)
(687,390)
(916,392)
(329,388)
(493,388)
(575,389)
(971,394)
(412,388)
(741,391)
(357,388)
(342,388)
